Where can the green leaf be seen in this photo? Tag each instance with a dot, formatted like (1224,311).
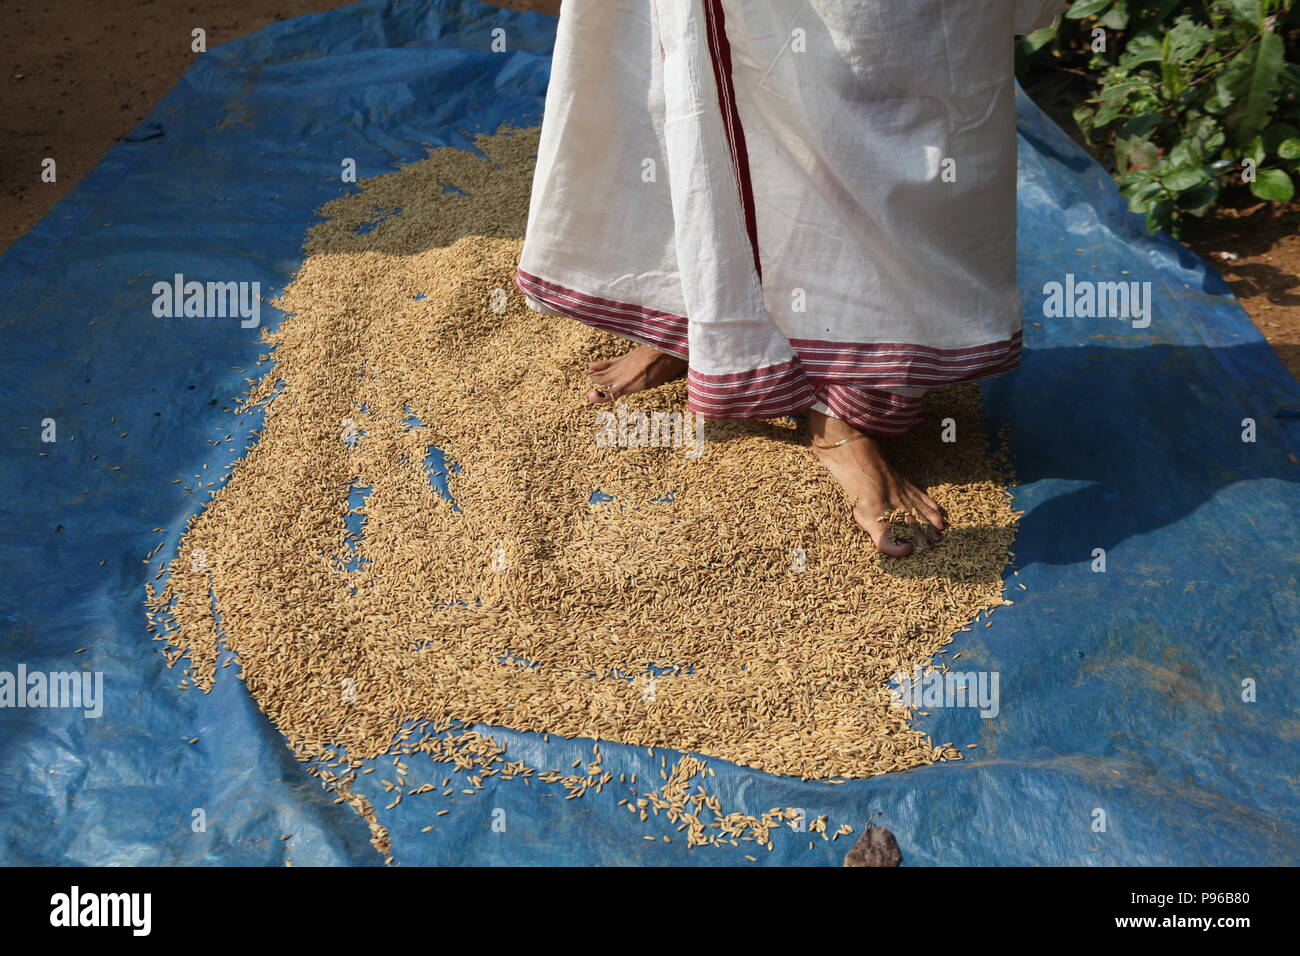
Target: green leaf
(1255,150)
(1083,118)
(1247,10)
(1224,92)
(1171,77)
(1277,134)
(1040,38)
(1184,177)
(1204,138)
(1215,104)
(1161,215)
(1132,153)
(1289,148)
(1252,77)
(1140,203)
(1187,39)
(1116,18)
(1141,125)
(1199,200)
(1116,94)
(1141,49)
(1185,155)
(1119,86)
(1274,185)
(1141,187)
(1086,8)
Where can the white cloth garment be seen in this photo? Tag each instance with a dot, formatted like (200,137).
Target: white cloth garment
(813,201)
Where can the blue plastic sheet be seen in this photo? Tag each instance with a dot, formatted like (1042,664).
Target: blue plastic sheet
(1121,690)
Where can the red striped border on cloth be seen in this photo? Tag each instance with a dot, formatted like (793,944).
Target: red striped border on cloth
(768,392)
(870,410)
(792,386)
(883,364)
(661,330)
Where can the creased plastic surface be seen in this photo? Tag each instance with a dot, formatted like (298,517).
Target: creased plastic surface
(1121,690)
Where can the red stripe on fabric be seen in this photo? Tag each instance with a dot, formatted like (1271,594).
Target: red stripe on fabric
(877,365)
(815,350)
(720,56)
(878,406)
(792,394)
(755,410)
(789,367)
(767,392)
(850,404)
(663,330)
(875,412)
(783,370)
(817,345)
(888,363)
(886,403)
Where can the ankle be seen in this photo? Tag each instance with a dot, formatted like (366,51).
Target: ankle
(826,430)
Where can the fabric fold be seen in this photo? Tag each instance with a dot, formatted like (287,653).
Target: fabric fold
(812,201)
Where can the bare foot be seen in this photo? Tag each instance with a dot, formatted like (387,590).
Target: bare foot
(639,369)
(875,487)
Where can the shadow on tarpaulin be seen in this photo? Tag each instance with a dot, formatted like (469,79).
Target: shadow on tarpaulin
(1120,691)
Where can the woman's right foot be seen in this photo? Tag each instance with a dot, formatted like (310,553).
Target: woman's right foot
(641,368)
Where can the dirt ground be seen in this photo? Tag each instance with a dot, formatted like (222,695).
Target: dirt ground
(80,73)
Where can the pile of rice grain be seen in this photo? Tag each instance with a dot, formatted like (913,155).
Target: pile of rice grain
(723,604)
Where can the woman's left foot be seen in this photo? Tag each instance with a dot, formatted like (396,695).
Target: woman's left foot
(875,487)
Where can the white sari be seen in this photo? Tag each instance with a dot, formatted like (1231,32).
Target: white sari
(813,201)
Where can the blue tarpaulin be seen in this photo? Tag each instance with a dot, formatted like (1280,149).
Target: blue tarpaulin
(1158,691)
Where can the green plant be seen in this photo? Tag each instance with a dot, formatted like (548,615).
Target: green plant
(1192,97)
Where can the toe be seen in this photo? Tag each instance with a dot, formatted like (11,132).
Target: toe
(926,523)
(599,366)
(600,396)
(932,513)
(881,534)
(885,543)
